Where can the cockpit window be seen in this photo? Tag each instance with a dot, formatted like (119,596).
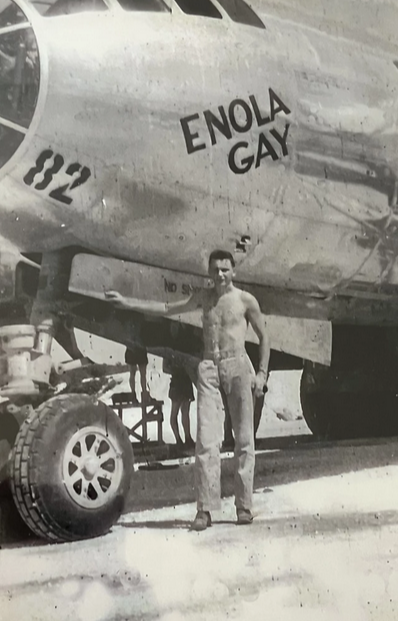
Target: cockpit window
(241,12)
(10,14)
(204,8)
(19,78)
(144,5)
(49,8)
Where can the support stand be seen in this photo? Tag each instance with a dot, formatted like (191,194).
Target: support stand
(152,412)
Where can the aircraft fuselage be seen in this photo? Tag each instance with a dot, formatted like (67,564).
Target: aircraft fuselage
(157,137)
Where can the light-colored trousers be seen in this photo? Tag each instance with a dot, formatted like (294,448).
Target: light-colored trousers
(234,375)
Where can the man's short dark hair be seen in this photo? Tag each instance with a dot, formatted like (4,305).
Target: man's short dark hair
(221,255)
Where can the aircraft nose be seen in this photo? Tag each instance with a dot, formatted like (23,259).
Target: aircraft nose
(19,78)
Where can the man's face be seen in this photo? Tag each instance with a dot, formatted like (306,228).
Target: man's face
(222,272)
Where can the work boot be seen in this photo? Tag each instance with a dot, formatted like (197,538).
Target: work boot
(244,516)
(201,521)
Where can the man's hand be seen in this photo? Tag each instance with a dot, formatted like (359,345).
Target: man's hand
(116,298)
(259,384)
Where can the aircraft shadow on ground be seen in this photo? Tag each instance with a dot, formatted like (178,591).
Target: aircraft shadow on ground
(172,524)
(297,459)
(311,459)
(321,524)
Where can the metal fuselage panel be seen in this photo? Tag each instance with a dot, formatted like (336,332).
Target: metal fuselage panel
(159,137)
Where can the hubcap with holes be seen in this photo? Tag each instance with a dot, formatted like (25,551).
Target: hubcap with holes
(92,468)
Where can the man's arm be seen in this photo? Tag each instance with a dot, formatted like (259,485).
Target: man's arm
(254,316)
(153,307)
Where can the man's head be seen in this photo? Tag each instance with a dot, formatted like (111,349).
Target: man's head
(221,268)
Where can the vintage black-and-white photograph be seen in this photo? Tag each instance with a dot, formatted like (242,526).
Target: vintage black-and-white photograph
(198,310)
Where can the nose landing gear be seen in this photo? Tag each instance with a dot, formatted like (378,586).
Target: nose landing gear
(71,460)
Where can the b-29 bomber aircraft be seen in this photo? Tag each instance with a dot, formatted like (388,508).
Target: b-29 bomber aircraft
(135,137)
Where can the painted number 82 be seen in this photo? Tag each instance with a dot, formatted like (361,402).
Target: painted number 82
(48,166)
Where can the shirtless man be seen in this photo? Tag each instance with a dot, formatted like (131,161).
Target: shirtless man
(225,366)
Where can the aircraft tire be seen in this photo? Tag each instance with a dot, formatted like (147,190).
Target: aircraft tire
(337,415)
(70,469)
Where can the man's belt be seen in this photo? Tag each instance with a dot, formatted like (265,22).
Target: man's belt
(224,354)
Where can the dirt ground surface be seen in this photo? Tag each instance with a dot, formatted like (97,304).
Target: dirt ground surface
(323,546)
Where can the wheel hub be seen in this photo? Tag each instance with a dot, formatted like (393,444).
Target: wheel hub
(92,467)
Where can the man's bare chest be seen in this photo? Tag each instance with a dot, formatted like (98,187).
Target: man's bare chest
(226,311)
